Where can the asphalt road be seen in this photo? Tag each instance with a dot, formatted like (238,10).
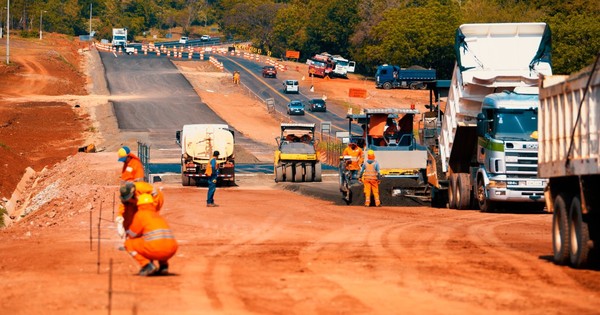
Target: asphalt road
(152,100)
(251,73)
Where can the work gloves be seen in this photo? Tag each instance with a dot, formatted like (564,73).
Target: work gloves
(120,229)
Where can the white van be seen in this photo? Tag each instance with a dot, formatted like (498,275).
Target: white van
(291,86)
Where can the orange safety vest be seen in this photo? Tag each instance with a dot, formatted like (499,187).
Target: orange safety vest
(370,172)
(155,231)
(355,155)
(209,169)
(133,170)
(127,210)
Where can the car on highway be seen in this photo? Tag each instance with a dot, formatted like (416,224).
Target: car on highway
(205,38)
(295,108)
(183,40)
(269,71)
(291,86)
(317,105)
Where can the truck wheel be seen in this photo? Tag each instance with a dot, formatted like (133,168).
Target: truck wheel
(299,173)
(579,235)
(463,191)
(185,180)
(387,86)
(452,191)
(279,174)
(318,172)
(485,204)
(560,231)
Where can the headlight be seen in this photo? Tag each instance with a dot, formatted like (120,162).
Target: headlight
(497,184)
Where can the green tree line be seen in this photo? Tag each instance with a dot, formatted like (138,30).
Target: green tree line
(370,32)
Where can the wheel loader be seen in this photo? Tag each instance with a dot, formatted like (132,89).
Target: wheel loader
(296,158)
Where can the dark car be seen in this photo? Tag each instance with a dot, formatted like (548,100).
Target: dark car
(295,108)
(317,105)
(269,71)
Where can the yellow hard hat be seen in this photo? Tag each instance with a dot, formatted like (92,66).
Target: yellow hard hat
(123,153)
(371,153)
(145,199)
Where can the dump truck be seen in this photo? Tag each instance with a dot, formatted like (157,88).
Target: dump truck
(402,159)
(488,146)
(569,156)
(395,77)
(198,142)
(296,157)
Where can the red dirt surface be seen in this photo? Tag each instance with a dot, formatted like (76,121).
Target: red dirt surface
(264,250)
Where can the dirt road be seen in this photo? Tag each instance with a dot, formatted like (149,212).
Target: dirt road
(266,250)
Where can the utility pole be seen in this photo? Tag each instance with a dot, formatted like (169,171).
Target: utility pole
(41,14)
(91,21)
(7,32)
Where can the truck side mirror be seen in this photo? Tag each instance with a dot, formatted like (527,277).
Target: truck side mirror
(481,124)
(178,137)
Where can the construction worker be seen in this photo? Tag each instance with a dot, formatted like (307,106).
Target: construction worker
(133,170)
(236,77)
(353,155)
(212,171)
(150,238)
(370,177)
(129,193)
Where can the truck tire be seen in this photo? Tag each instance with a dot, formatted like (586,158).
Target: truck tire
(452,202)
(560,231)
(309,173)
(299,173)
(318,172)
(485,205)
(279,174)
(387,86)
(185,180)
(463,191)
(579,235)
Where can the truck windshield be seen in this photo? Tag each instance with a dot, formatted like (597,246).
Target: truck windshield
(515,125)
(119,37)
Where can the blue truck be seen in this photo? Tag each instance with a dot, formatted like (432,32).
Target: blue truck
(393,77)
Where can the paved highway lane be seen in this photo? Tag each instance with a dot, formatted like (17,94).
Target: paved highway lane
(152,99)
(251,74)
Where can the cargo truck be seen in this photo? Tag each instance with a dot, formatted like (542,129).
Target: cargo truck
(569,156)
(487,146)
(198,142)
(394,77)
(119,37)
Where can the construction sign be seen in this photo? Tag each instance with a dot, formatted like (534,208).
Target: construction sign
(292,54)
(360,93)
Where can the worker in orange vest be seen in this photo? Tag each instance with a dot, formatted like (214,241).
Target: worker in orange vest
(212,171)
(370,176)
(353,155)
(150,238)
(133,170)
(236,77)
(129,194)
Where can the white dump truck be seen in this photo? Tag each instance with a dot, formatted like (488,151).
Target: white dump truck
(487,144)
(198,142)
(569,156)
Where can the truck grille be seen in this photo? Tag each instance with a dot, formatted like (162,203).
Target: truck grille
(521,162)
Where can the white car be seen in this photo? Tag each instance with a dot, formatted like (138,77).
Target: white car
(183,40)
(205,38)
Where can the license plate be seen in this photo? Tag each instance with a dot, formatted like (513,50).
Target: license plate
(534,183)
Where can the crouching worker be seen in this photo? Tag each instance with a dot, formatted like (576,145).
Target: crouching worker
(149,238)
(129,194)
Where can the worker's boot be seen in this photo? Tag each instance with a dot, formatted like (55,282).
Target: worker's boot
(147,270)
(163,268)
(377,203)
